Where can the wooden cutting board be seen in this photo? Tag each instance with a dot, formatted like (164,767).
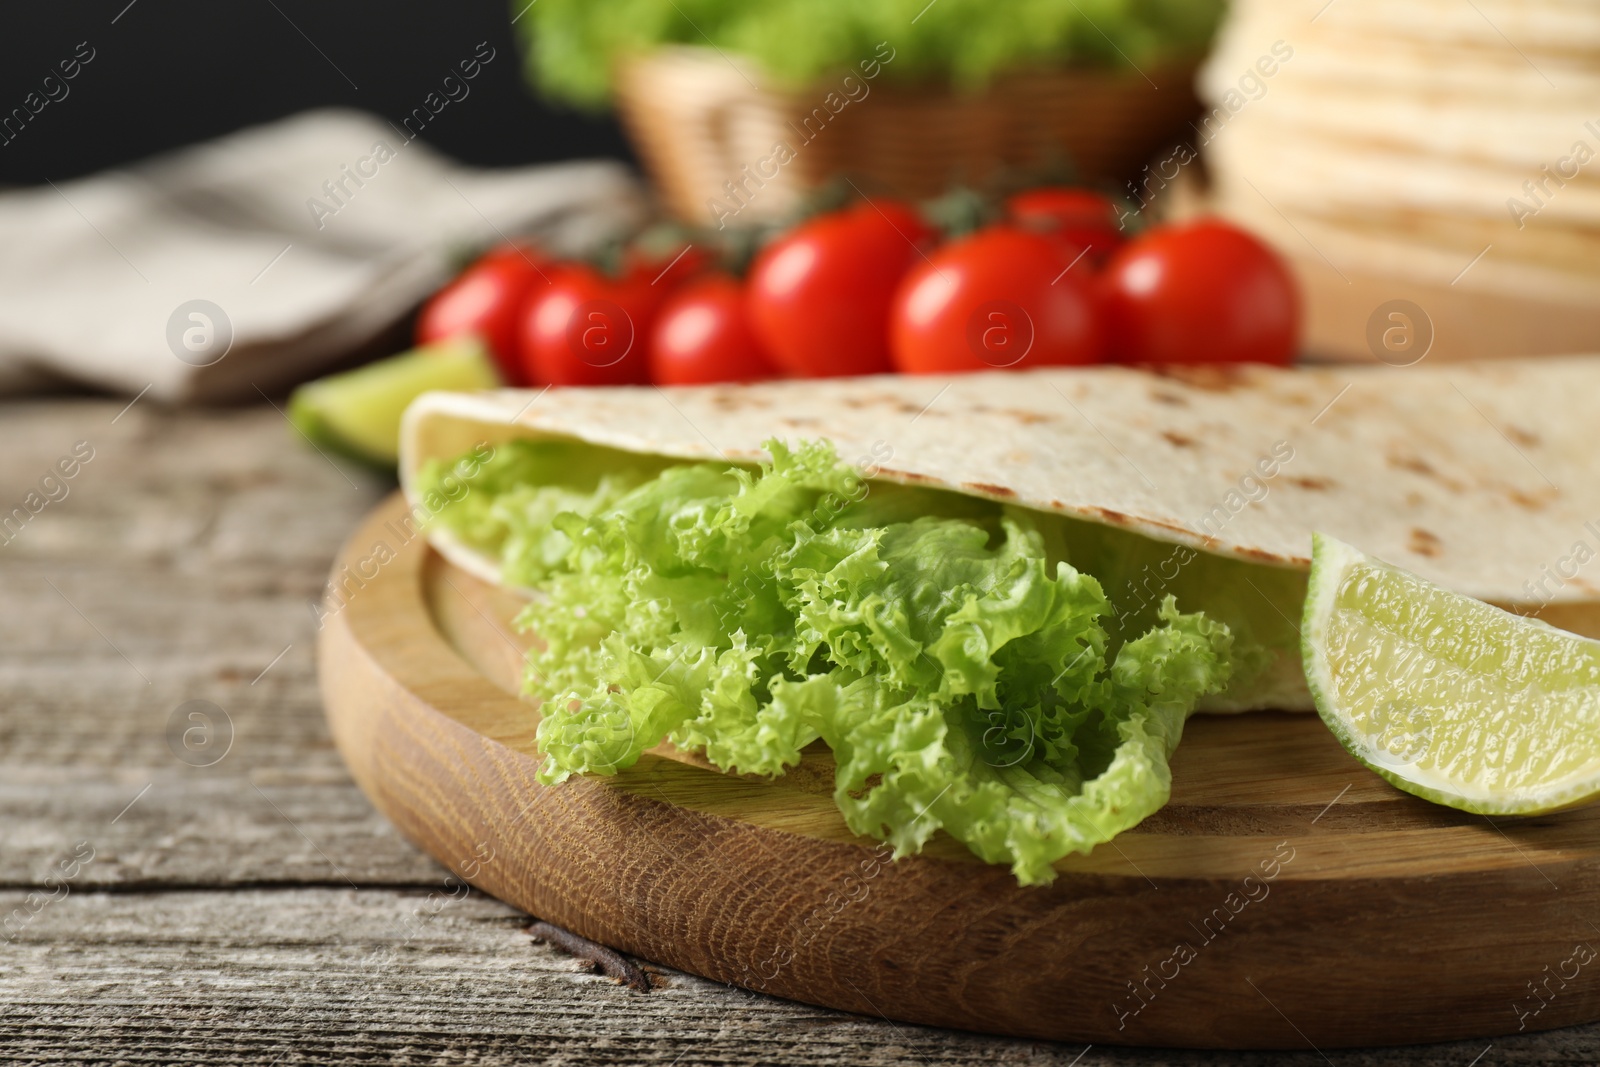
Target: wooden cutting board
(1286,897)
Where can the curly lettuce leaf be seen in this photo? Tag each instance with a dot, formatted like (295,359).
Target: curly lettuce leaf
(964,679)
(509,505)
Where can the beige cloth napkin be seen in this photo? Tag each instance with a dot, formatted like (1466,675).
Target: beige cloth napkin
(262,258)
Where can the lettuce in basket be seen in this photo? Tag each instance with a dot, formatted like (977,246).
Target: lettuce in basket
(573,46)
(964,679)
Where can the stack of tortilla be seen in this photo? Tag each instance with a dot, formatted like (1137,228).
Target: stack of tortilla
(1448,141)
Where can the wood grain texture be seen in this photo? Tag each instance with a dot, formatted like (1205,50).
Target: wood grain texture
(326,975)
(208,929)
(183,560)
(1369,916)
(193,828)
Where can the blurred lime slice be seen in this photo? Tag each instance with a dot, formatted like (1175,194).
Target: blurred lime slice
(357,413)
(1447,697)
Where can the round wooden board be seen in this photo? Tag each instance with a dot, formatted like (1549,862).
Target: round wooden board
(1285,897)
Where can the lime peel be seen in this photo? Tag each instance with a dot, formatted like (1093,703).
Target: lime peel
(1446,697)
(357,413)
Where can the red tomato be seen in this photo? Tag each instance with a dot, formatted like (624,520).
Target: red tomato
(1202,292)
(999,298)
(665,270)
(819,296)
(588,329)
(1078,218)
(704,335)
(486,299)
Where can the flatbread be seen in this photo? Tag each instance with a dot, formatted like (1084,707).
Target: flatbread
(1478,477)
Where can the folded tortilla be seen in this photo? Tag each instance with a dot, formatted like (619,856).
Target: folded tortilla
(1206,484)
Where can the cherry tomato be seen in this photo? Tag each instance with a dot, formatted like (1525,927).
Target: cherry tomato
(819,296)
(1002,297)
(665,269)
(486,299)
(1202,292)
(703,335)
(587,328)
(1078,218)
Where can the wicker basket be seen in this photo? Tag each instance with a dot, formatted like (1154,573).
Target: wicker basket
(719,141)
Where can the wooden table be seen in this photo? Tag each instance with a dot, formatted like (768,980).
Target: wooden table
(214,889)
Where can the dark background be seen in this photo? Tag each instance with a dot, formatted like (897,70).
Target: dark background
(171,72)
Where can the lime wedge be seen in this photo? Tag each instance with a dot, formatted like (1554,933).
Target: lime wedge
(357,413)
(1447,697)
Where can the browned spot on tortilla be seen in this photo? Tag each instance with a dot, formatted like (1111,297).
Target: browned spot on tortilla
(729,400)
(1523,500)
(907,476)
(1424,543)
(1414,499)
(798,420)
(874,400)
(1178,440)
(1162,396)
(1414,464)
(1117,518)
(1317,484)
(1212,378)
(1175,527)
(1262,554)
(1522,437)
(992,490)
(1029,418)
(1418,465)
(1534,501)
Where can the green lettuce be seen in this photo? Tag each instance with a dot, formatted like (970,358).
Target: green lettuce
(573,46)
(963,674)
